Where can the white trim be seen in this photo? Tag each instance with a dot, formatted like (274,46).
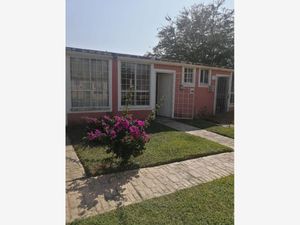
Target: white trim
(209,78)
(193,76)
(152,87)
(151,105)
(91,111)
(173,72)
(110,84)
(216,89)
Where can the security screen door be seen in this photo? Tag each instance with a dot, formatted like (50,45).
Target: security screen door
(222,94)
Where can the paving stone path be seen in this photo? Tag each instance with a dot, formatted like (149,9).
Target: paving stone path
(74,169)
(229,142)
(95,195)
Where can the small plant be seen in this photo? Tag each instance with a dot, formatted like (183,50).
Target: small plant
(123,135)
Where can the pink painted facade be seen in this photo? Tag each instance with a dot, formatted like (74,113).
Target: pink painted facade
(188,101)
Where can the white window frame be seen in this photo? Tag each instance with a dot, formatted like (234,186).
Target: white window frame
(151,105)
(188,84)
(209,78)
(68,82)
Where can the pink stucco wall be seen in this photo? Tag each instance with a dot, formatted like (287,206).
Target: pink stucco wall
(183,106)
(187,104)
(204,97)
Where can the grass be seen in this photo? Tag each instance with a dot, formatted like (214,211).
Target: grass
(210,126)
(166,145)
(225,131)
(209,203)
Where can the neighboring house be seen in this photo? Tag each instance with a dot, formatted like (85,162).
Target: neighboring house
(99,82)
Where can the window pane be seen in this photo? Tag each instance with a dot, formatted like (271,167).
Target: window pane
(127,75)
(80,74)
(99,83)
(99,98)
(127,98)
(89,83)
(188,75)
(135,83)
(143,77)
(204,77)
(80,98)
(142,98)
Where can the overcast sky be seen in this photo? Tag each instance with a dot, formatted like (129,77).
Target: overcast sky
(124,26)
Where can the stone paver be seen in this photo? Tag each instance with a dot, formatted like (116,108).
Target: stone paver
(91,196)
(74,169)
(229,142)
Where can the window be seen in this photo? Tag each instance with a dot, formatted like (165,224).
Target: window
(188,75)
(232,90)
(89,84)
(135,84)
(204,78)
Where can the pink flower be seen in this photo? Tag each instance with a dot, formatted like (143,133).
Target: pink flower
(107,118)
(134,131)
(141,123)
(94,135)
(113,134)
(117,118)
(125,124)
(91,120)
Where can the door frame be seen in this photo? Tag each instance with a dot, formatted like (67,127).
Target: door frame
(173,73)
(216,90)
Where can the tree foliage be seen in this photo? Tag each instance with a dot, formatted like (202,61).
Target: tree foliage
(199,34)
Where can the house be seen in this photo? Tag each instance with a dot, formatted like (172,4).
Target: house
(99,82)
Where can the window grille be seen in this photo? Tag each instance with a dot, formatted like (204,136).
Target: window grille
(135,84)
(188,75)
(89,84)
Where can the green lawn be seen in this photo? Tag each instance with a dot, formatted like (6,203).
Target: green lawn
(210,126)
(166,145)
(209,203)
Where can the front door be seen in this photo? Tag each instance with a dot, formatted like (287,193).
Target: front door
(164,94)
(222,94)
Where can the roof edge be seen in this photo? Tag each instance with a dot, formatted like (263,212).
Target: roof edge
(153,59)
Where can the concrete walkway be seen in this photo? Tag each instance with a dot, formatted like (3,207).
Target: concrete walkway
(88,197)
(229,142)
(74,169)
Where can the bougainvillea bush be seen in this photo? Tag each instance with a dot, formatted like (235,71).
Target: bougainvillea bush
(123,135)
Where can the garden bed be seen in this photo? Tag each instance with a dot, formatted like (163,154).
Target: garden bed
(166,145)
(209,203)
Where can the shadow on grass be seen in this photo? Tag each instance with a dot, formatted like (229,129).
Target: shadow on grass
(222,118)
(199,123)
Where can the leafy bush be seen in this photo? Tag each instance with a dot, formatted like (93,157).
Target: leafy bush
(123,135)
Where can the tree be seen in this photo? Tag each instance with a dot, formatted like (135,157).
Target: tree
(200,34)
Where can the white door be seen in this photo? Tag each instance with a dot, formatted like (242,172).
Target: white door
(165,94)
